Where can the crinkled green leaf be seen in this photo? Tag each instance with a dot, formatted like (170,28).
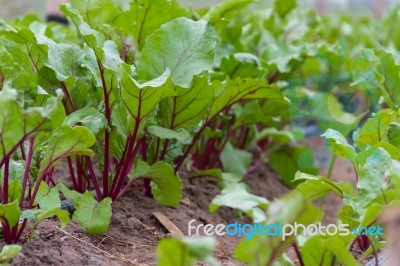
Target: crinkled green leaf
(166,133)
(144,17)
(103,56)
(37,216)
(14,191)
(317,186)
(365,154)
(282,7)
(92,37)
(141,99)
(8,252)
(95,12)
(233,91)
(10,213)
(223,8)
(374,130)
(63,59)
(166,186)
(393,134)
(183,46)
(279,136)
(237,196)
(287,161)
(189,106)
(348,215)
(88,117)
(320,250)
(387,74)
(338,144)
(235,161)
(67,141)
(47,198)
(16,171)
(16,66)
(242,65)
(371,176)
(264,250)
(17,124)
(69,194)
(93,216)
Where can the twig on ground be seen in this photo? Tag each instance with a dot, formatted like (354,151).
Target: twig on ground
(168,224)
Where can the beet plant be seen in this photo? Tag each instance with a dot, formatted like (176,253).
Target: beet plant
(24,188)
(35,137)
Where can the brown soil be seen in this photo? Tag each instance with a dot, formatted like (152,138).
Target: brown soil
(134,231)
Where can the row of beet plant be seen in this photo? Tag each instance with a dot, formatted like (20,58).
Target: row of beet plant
(123,96)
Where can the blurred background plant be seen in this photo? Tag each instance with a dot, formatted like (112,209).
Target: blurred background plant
(13,8)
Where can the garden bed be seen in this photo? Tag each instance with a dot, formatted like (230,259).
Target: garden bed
(134,231)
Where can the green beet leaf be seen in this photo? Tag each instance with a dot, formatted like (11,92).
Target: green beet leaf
(223,9)
(363,156)
(393,134)
(93,216)
(69,194)
(67,141)
(11,121)
(183,46)
(338,144)
(8,252)
(166,186)
(374,130)
(237,196)
(232,91)
(264,250)
(89,117)
(242,65)
(141,99)
(18,124)
(47,198)
(317,186)
(10,213)
(38,215)
(278,136)
(235,161)
(185,251)
(320,250)
(166,133)
(14,190)
(144,17)
(97,12)
(284,7)
(371,176)
(387,74)
(288,160)
(189,106)
(102,58)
